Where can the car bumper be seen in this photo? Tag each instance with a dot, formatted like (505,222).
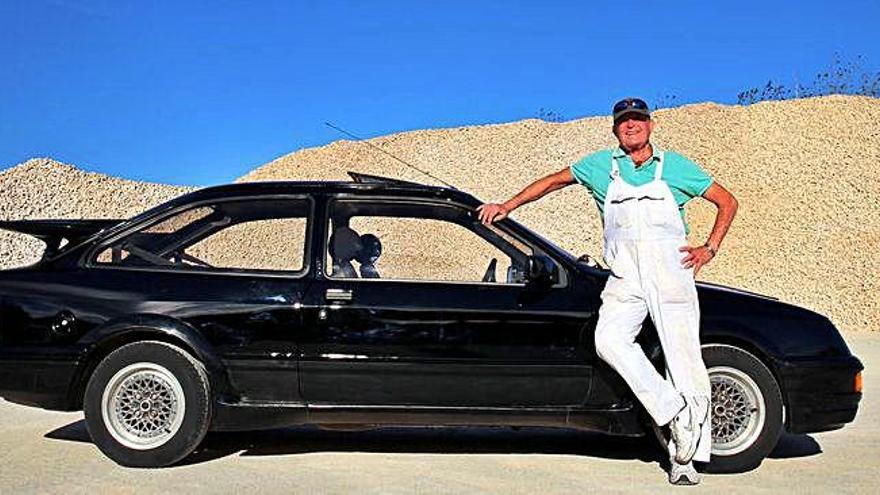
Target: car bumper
(41,381)
(820,394)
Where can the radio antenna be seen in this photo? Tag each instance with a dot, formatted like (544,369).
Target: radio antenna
(410,165)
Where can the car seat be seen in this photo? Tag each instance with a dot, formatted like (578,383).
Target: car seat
(345,244)
(371,249)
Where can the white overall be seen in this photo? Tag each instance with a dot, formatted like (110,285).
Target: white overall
(643,234)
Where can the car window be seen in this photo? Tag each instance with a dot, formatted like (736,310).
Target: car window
(263,234)
(180,220)
(420,242)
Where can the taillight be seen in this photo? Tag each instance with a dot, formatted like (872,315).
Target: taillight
(858,383)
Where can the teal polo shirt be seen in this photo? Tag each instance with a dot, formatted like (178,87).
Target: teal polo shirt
(685,178)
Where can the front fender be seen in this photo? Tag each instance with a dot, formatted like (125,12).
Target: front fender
(753,338)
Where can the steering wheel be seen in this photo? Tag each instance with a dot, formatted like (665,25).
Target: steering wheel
(489,276)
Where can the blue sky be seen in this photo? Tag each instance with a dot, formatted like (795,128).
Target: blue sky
(201,92)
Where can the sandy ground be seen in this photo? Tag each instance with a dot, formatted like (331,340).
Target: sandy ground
(46,452)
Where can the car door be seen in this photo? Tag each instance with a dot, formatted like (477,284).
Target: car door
(235,270)
(441,318)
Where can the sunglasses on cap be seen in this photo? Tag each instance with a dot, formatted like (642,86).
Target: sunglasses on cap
(629,104)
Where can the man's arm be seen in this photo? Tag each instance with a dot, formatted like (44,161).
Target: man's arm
(491,212)
(727,206)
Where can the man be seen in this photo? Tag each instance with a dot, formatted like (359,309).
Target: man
(641,192)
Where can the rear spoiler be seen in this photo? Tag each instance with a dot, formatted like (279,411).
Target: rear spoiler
(53,232)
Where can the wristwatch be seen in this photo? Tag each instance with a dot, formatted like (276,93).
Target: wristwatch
(711,249)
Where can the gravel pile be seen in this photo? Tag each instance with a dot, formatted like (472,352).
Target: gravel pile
(43,188)
(805,172)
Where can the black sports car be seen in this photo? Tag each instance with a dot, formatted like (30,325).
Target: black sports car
(372,302)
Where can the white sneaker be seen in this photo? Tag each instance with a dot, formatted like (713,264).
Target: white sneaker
(683,474)
(686,430)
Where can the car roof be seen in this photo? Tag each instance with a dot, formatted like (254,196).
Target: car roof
(374,185)
(388,187)
(397,188)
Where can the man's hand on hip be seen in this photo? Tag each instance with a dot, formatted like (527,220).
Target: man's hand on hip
(492,212)
(696,257)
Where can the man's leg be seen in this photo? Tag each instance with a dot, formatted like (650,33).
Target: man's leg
(674,308)
(620,321)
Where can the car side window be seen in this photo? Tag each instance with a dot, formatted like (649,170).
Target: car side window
(258,234)
(419,242)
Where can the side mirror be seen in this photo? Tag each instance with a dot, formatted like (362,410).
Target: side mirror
(589,261)
(541,272)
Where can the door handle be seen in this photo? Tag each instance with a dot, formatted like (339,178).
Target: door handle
(338,295)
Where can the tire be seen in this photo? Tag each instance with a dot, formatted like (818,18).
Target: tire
(747,413)
(139,430)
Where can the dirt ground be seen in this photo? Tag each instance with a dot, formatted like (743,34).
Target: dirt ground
(46,452)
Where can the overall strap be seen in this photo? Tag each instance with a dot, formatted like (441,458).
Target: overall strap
(615,170)
(658,172)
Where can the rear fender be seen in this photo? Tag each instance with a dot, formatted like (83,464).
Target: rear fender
(104,339)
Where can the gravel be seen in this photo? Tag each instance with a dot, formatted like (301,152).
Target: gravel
(45,188)
(805,173)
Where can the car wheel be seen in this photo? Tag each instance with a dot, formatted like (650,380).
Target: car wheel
(147,404)
(747,411)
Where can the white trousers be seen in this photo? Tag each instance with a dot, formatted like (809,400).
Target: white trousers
(648,279)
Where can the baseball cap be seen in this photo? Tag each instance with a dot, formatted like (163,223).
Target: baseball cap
(630,105)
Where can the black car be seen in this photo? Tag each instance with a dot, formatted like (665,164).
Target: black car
(372,302)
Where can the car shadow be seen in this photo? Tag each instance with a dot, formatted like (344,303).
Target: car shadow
(427,440)
(795,445)
(73,432)
(434,440)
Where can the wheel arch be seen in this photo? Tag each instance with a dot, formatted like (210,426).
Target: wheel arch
(103,340)
(759,353)
(712,336)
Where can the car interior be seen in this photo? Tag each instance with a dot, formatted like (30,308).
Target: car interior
(165,243)
(346,245)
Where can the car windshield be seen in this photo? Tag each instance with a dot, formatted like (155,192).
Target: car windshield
(548,244)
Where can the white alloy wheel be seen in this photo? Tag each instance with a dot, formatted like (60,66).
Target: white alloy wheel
(738,411)
(143,406)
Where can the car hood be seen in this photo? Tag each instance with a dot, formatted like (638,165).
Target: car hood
(789,329)
(709,286)
(780,328)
